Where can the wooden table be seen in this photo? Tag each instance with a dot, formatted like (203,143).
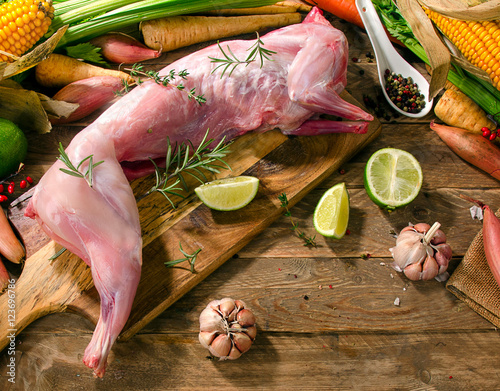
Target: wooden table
(326,316)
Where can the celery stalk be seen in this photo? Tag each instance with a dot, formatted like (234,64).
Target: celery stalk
(98,17)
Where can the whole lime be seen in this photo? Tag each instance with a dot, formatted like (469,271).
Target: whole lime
(13,147)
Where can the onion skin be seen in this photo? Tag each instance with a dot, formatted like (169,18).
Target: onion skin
(491,240)
(471,147)
(123,49)
(91,94)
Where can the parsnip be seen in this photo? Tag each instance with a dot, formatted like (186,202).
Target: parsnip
(58,71)
(456,109)
(171,33)
(278,8)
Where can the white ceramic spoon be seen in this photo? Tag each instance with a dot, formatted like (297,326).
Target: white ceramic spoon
(388,58)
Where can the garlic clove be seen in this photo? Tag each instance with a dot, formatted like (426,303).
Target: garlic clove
(242,342)
(214,304)
(439,237)
(210,320)
(221,346)
(239,304)
(245,318)
(430,268)
(226,306)
(413,271)
(422,227)
(251,331)
(206,338)
(408,252)
(234,353)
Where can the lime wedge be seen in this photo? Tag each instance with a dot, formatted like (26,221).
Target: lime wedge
(393,178)
(228,193)
(332,212)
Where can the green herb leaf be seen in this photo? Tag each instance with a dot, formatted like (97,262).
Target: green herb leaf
(87,52)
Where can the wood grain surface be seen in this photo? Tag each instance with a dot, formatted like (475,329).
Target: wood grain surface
(326,316)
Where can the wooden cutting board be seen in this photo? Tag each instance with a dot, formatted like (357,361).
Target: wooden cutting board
(291,165)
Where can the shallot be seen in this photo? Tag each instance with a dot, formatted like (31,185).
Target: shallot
(122,48)
(491,237)
(10,247)
(421,252)
(227,328)
(90,94)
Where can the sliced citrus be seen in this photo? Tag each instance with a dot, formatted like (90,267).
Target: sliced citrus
(393,178)
(228,193)
(331,215)
(13,147)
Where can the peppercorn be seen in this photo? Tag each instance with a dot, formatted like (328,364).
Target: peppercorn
(404,92)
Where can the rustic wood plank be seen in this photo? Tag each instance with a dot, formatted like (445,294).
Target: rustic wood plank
(276,361)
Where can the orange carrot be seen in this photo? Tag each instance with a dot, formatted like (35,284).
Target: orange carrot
(343,9)
(471,147)
(346,10)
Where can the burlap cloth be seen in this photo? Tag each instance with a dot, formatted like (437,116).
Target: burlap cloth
(473,282)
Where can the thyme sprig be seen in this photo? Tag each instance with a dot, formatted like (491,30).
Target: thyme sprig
(191,258)
(230,59)
(139,70)
(308,241)
(75,171)
(180,161)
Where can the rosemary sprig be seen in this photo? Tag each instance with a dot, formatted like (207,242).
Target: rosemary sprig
(179,161)
(75,171)
(191,258)
(230,60)
(139,70)
(308,241)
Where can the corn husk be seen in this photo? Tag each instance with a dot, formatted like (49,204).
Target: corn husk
(465,10)
(437,53)
(31,110)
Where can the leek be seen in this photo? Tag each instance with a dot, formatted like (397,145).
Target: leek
(480,91)
(88,19)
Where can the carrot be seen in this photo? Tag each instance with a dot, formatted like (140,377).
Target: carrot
(343,9)
(10,247)
(491,237)
(179,31)
(58,70)
(456,109)
(90,94)
(471,147)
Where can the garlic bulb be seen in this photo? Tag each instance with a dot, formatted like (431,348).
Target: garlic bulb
(421,252)
(227,328)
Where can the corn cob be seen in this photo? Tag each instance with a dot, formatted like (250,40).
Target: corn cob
(479,42)
(22,24)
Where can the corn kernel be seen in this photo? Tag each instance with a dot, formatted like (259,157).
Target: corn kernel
(479,42)
(22,24)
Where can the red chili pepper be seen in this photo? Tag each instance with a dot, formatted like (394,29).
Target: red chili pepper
(29,179)
(23,184)
(10,189)
(3,198)
(1,188)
